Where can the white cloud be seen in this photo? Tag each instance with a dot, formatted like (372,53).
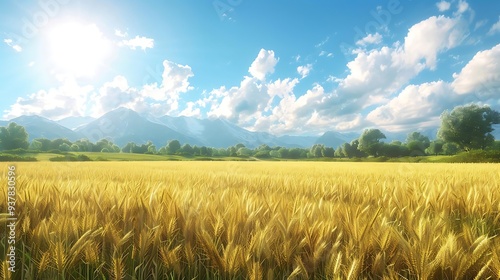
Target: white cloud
(443,6)
(416,106)
(175,81)
(322,43)
(370,39)
(55,103)
(304,70)
(431,36)
(11,44)
(480,24)
(325,53)
(282,88)
(481,75)
(463,6)
(381,72)
(264,64)
(191,110)
(243,104)
(139,42)
(72,99)
(120,33)
(495,28)
(112,95)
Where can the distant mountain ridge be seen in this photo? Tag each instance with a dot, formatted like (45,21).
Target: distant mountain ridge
(124,125)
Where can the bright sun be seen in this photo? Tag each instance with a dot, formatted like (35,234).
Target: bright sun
(76,49)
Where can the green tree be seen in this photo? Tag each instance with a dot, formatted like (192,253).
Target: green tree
(274,154)
(35,145)
(13,137)
(338,152)
(129,148)
(369,141)
(469,126)
(317,150)
(186,149)
(283,153)
(245,152)
(328,152)
(435,147)
(64,147)
(450,148)
(152,149)
(419,137)
(173,146)
(46,144)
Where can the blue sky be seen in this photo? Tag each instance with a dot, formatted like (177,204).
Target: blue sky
(285,67)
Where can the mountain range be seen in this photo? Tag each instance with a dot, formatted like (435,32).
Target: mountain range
(124,125)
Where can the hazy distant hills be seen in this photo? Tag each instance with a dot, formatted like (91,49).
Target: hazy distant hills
(40,127)
(74,122)
(124,125)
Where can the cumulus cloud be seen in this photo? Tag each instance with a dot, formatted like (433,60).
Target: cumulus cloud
(370,39)
(481,75)
(191,110)
(14,46)
(175,80)
(416,106)
(243,103)
(378,73)
(139,42)
(495,28)
(431,36)
(443,6)
(264,64)
(304,70)
(56,103)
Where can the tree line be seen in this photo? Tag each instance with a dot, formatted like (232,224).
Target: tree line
(463,129)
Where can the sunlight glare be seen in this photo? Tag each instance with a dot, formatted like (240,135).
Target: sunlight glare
(76,49)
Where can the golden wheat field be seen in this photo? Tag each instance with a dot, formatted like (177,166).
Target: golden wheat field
(254,220)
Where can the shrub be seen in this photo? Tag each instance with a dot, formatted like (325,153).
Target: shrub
(4,157)
(71,158)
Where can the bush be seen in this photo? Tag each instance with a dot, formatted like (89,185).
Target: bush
(4,157)
(71,158)
(476,156)
(262,154)
(16,151)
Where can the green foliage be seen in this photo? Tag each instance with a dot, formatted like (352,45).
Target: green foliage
(13,136)
(35,145)
(475,156)
(71,157)
(328,152)
(418,137)
(369,141)
(450,148)
(244,152)
(64,147)
(14,158)
(262,154)
(435,147)
(317,150)
(173,146)
(186,149)
(469,126)
(393,150)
